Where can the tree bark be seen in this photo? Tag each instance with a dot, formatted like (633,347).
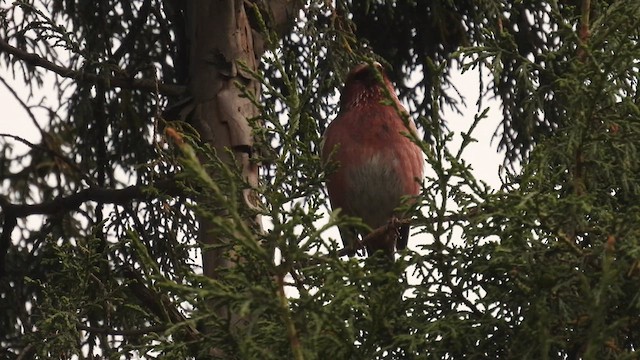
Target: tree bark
(221,38)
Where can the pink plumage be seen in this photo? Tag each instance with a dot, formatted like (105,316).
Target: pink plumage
(377,164)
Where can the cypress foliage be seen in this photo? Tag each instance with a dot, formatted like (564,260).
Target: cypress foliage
(99,235)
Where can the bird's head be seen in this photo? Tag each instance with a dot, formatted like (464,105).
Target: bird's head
(363,86)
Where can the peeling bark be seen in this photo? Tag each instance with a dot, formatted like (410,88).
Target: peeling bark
(221,38)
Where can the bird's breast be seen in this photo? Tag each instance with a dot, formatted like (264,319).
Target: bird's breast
(375,188)
(377,165)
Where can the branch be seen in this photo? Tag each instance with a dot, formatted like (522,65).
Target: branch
(106,196)
(24,105)
(584,20)
(51,152)
(119,82)
(292,333)
(159,304)
(26,352)
(123,332)
(584,33)
(279,13)
(394,224)
(12,212)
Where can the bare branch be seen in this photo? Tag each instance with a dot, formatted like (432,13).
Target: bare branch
(119,82)
(24,105)
(159,304)
(26,352)
(106,196)
(11,212)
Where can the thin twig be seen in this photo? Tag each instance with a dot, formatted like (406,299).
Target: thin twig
(286,316)
(395,224)
(26,352)
(571,241)
(159,304)
(24,105)
(51,152)
(123,332)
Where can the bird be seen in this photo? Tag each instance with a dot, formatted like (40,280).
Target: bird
(376,164)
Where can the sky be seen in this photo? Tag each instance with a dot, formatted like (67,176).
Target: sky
(482,155)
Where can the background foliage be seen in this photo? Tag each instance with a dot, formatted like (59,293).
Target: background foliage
(546,266)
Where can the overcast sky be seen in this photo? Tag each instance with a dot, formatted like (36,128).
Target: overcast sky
(482,155)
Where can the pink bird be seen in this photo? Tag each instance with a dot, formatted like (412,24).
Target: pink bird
(377,165)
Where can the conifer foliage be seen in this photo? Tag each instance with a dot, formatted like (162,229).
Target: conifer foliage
(134,223)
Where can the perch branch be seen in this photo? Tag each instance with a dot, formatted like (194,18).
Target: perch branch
(395,224)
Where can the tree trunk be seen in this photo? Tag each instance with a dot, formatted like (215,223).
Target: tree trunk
(221,37)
